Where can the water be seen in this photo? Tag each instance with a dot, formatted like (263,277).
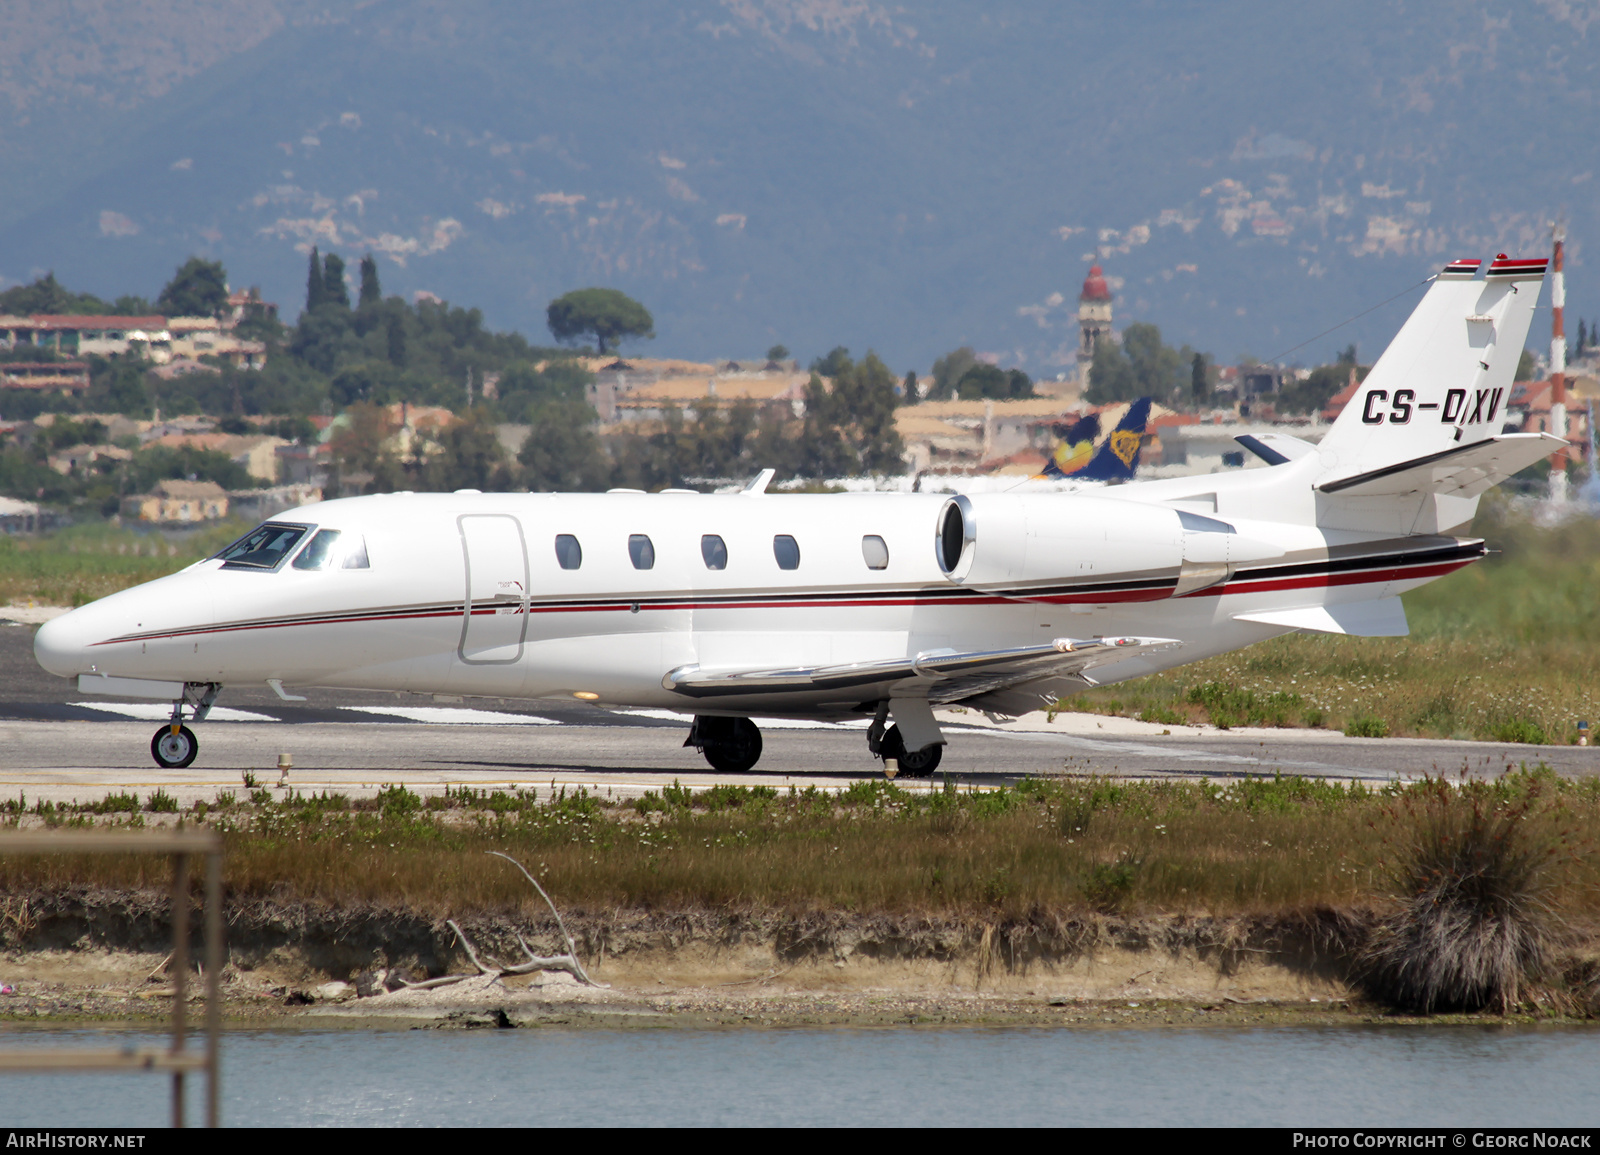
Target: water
(1371,1075)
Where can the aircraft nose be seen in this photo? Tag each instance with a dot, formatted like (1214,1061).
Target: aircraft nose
(62,644)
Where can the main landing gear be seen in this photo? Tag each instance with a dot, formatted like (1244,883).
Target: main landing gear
(890,743)
(174,745)
(731,745)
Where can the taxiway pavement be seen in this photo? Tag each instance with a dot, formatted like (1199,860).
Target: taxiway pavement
(59,745)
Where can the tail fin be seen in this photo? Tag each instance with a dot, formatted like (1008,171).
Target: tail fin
(1117,457)
(1421,439)
(1444,380)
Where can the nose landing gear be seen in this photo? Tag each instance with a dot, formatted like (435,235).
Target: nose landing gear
(174,745)
(731,745)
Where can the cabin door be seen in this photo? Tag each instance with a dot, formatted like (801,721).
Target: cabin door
(494,620)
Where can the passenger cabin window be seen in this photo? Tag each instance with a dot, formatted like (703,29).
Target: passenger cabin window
(875,551)
(787,551)
(714,550)
(569,554)
(641,551)
(263,548)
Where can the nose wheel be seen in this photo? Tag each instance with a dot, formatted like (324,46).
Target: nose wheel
(174,746)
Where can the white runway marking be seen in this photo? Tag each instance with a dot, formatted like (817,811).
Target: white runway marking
(452,716)
(156,712)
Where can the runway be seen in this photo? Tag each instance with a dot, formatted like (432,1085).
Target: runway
(59,745)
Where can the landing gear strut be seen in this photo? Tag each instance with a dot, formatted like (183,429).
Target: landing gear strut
(731,745)
(174,745)
(890,743)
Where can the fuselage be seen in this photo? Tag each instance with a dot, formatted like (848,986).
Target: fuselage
(603,596)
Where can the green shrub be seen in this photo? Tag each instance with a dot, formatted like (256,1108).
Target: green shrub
(1518,730)
(1366,726)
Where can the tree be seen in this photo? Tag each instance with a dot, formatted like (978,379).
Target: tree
(948,371)
(334,290)
(1197,379)
(1141,366)
(316,287)
(908,389)
(469,456)
(609,315)
(781,352)
(562,453)
(1526,364)
(371,292)
(198,289)
(46,295)
(837,362)
(991,382)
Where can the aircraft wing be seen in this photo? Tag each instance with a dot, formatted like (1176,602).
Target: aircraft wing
(949,676)
(1461,471)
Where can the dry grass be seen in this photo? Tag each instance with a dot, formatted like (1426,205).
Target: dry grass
(78,565)
(1267,846)
(1473,880)
(1506,650)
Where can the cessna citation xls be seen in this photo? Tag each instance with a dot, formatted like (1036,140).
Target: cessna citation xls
(872,606)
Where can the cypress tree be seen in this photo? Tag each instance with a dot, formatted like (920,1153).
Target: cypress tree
(397,340)
(371,293)
(316,292)
(1197,377)
(334,290)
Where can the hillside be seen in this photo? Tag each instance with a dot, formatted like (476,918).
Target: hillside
(910,177)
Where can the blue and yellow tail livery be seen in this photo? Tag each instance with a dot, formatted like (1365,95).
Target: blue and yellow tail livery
(1084,454)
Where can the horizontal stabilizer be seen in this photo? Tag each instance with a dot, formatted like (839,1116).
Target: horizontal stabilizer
(1385,618)
(1460,471)
(948,675)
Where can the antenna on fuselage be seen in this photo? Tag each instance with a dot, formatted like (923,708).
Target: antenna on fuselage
(757,485)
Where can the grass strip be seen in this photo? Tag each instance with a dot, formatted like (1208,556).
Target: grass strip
(1060,845)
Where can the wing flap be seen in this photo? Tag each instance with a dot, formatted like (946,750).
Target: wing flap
(1460,471)
(947,676)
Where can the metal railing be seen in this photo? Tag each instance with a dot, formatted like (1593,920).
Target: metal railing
(182,845)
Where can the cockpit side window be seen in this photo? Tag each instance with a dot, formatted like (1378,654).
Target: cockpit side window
(264,547)
(319,552)
(355,553)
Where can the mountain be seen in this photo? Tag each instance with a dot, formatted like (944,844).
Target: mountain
(909,177)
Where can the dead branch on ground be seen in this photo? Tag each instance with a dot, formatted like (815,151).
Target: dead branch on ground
(561,962)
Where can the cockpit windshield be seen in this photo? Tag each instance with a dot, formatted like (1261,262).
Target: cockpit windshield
(264,547)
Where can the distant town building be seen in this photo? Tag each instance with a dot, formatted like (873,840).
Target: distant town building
(23,517)
(157,339)
(260,504)
(1094,316)
(257,453)
(178,501)
(45,376)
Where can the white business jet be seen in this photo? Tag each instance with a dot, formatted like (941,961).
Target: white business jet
(871,606)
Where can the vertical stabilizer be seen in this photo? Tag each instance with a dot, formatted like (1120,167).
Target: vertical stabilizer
(1446,378)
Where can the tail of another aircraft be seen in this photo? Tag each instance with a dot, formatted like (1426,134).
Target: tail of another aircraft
(1076,458)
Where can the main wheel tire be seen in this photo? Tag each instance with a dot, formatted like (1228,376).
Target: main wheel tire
(918,764)
(738,748)
(174,751)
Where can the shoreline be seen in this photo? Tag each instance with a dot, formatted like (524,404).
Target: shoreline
(91,960)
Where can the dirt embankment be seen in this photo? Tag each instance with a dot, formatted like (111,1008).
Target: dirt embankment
(79,952)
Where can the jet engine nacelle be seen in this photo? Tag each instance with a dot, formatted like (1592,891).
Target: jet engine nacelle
(984,539)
